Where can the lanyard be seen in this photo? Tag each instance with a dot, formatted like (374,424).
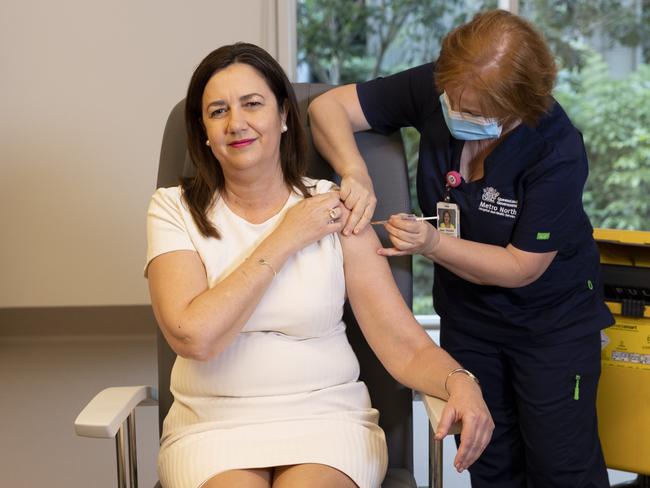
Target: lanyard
(452,180)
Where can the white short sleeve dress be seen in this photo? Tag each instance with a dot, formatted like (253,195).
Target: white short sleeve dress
(286,391)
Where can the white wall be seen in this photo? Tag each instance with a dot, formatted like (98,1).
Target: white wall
(85,89)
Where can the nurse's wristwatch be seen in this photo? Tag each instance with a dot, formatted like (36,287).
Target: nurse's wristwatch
(459,370)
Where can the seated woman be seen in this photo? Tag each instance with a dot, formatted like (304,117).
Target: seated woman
(248,276)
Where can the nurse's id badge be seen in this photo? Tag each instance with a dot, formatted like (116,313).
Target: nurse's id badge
(448,218)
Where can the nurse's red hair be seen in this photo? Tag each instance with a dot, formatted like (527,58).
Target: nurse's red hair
(504,59)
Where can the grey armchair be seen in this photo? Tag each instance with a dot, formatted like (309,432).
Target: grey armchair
(106,414)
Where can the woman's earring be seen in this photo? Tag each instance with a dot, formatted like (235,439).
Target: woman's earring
(284,127)
(207,142)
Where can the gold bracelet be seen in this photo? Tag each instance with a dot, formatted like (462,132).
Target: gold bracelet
(264,262)
(459,370)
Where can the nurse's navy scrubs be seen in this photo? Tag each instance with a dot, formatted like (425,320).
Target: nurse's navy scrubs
(535,349)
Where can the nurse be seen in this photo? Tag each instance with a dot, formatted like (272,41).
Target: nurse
(516,282)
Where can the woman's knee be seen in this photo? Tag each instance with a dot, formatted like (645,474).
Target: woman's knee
(241,478)
(312,475)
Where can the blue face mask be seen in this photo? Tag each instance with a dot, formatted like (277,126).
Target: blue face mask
(468,127)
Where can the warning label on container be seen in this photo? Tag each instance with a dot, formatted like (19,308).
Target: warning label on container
(627,344)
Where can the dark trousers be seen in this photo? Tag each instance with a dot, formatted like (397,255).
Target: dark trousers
(546,433)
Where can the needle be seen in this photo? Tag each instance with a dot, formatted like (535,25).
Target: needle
(381,222)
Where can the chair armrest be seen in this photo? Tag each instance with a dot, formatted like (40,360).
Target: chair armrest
(434,407)
(105,413)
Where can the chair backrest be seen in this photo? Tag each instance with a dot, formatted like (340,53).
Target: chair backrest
(386,162)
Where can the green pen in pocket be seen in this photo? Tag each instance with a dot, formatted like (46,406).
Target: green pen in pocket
(576,389)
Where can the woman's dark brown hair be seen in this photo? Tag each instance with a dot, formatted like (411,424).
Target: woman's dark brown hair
(199,191)
(505,59)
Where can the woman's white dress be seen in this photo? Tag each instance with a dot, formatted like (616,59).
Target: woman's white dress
(286,391)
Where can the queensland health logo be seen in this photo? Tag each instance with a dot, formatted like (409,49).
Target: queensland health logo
(490,194)
(493,203)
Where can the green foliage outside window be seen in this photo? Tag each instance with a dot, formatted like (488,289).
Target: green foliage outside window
(345,41)
(614,117)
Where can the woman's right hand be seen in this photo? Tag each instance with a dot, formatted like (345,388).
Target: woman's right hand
(313,218)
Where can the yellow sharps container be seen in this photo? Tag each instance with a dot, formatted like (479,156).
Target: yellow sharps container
(624,388)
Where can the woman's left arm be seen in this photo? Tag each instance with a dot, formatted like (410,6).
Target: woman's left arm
(406,350)
(483,264)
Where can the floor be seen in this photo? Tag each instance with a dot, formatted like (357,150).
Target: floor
(45,384)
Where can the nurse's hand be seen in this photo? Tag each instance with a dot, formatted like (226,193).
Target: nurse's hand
(409,236)
(466,405)
(358,196)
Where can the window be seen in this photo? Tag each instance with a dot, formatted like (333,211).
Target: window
(348,41)
(602,47)
(603,51)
